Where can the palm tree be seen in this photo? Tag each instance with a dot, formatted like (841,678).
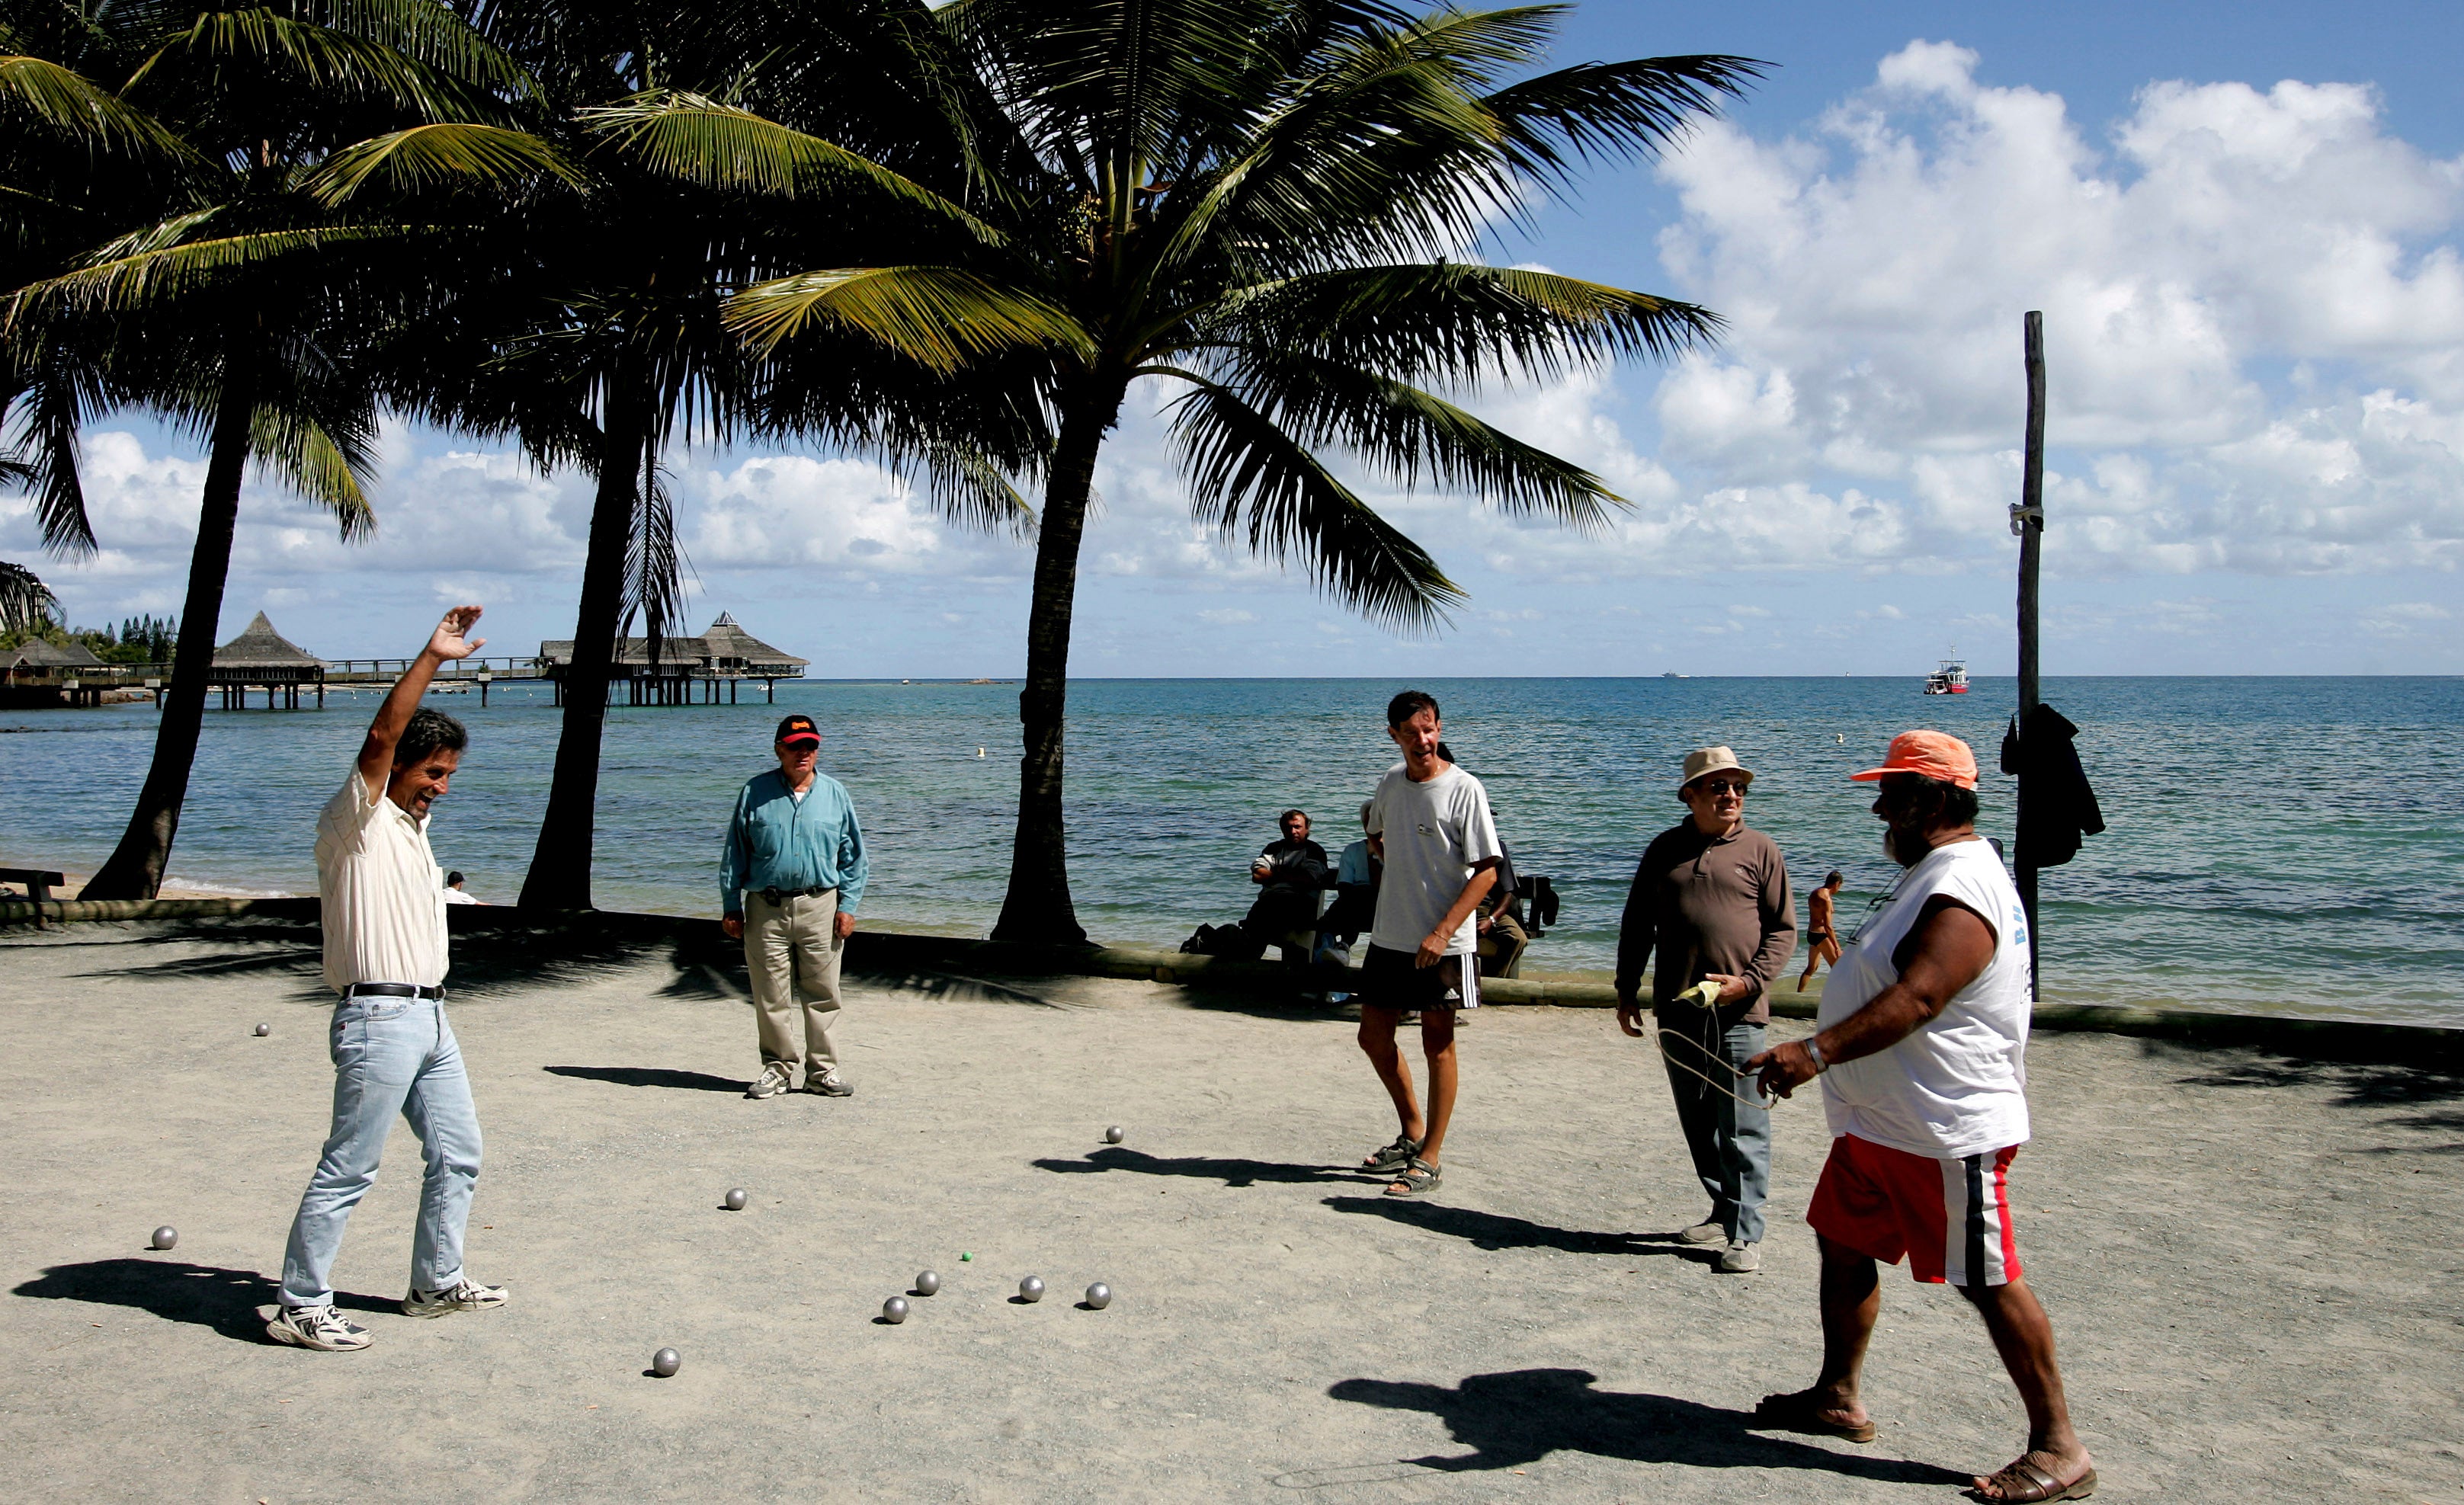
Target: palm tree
(241,302)
(26,604)
(1262,203)
(600,343)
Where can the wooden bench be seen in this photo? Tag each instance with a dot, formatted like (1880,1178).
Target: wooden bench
(38,883)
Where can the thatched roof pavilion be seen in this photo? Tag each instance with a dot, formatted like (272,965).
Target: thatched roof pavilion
(263,656)
(726,649)
(37,654)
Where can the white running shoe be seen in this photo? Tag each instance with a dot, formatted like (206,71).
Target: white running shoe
(465,1295)
(319,1328)
(776,1080)
(1741,1259)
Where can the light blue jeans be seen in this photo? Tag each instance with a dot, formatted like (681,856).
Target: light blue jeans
(1729,1140)
(390,1056)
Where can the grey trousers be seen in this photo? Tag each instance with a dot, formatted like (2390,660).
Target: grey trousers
(792,951)
(1730,1141)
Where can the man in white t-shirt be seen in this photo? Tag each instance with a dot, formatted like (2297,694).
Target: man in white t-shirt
(1922,1048)
(1429,824)
(383,912)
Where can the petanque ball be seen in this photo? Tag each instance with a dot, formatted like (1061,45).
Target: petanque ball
(1099,1296)
(1030,1289)
(736,1199)
(894,1310)
(265,1029)
(1113,1135)
(928,1284)
(166,1237)
(665,1362)
(963,1258)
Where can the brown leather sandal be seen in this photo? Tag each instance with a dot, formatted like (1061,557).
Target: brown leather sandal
(1802,1411)
(2024,1483)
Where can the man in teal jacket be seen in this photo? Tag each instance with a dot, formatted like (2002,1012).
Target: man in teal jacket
(788,883)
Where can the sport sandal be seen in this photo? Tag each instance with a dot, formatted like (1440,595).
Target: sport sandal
(1392,1158)
(1417,1179)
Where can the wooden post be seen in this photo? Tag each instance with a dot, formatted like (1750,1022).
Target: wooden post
(2028,521)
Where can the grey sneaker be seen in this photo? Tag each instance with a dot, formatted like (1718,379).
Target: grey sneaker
(319,1328)
(829,1086)
(465,1295)
(1741,1259)
(776,1080)
(1711,1233)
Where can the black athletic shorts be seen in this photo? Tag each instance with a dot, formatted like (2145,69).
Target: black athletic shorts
(1389,980)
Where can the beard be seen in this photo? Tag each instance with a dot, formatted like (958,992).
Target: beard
(1907,848)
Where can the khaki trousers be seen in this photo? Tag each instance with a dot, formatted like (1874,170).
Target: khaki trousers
(793,948)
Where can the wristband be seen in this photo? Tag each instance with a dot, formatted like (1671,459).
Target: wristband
(1816,1051)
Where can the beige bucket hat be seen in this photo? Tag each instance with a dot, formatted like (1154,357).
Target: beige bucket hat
(1711,760)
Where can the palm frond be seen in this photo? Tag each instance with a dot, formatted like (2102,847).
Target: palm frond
(1409,434)
(453,154)
(1249,477)
(319,58)
(42,91)
(1613,110)
(26,602)
(322,461)
(133,279)
(1455,321)
(969,489)
(46,457)
(717,145)
(434,37)
(941,317)
(655,564)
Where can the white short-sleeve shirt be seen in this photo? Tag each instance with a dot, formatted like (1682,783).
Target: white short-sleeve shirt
(383,893)
(1958,1086)
(1434,834)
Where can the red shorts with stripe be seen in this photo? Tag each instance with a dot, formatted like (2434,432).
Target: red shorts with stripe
(1951,1219)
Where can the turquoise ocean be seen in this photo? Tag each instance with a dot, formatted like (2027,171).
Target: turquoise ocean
(2276,846)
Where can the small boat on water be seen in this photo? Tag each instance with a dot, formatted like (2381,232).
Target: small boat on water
(1952,679)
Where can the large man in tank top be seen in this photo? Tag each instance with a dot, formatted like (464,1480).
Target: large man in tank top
(1922,1048)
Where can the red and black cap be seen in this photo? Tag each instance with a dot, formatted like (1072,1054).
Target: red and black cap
(796,732)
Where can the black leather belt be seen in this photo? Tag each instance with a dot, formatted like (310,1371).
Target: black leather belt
(780,896)
(391,990)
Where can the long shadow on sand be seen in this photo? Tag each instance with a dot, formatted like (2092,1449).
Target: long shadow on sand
(649,1077)
(1496,1231)
(225,1301)
(1231,1173)
(1521,1416)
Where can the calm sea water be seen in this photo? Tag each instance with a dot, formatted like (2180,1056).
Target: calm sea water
(2280,845)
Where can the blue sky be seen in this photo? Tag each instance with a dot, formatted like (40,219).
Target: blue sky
(2242,223)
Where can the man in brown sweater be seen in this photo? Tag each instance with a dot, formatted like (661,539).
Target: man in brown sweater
(1711,898)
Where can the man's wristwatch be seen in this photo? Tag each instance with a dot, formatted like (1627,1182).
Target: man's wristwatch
(1816,1051)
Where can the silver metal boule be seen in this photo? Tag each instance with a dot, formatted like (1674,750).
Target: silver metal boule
(166,1237)
(894,1310)
(736,1199)
(665,1362)
(1099,1296)
(1030,1289)
(265,1029)
(928,1284)
(1113,1135)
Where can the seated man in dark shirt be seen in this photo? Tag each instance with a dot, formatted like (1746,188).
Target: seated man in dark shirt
(1290,874)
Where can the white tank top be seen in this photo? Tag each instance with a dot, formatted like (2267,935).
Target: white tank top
(1956,1086)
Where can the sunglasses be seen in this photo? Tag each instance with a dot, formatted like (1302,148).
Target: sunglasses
(1716,787)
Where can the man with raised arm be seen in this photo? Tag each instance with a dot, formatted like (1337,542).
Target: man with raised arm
(1922,1048)
(383,912)
(1429,824)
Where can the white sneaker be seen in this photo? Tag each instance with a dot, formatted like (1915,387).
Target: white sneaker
(1741,1259)
(319,1328)
(776,1080)
(465,1295)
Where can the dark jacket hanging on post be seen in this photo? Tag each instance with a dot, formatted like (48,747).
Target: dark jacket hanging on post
(2056,808)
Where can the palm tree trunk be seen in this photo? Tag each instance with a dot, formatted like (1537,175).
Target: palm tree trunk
(1038,906)
(560,874)
(135,870)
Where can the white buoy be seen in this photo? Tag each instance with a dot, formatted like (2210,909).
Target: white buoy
(928,1284)
(894,1310)
(265,1029)
(980,752)
(1030,1289)
(166,1237)
(666,1362)
(1113,1135)
(736,1199)
(1099,1296)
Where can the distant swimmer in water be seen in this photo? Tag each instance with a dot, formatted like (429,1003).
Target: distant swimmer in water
(1821,932)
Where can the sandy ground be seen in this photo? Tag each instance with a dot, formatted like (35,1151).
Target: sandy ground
(2251,1260)
(74,881)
